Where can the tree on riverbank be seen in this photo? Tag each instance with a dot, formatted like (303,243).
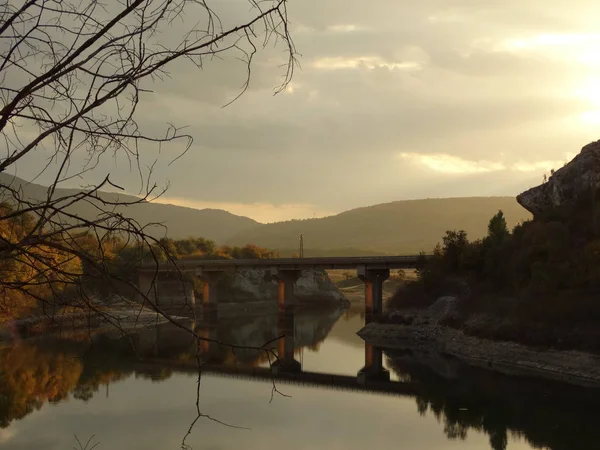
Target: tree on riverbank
(73,78)
(538,284)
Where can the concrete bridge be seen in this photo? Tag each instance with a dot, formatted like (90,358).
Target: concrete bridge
(372,270)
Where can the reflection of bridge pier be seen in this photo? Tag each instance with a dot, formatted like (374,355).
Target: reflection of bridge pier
(373,369)
(154,340)
(208,344)
(286,343)
(292,334)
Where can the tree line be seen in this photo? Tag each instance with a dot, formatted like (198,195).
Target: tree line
(543,277)
(42,278)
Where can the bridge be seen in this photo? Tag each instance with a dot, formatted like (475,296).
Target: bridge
(372,270)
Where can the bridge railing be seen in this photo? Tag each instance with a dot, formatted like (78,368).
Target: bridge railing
(336,262)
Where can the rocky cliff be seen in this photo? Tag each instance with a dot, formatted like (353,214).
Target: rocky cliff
(253,285)
(567,184)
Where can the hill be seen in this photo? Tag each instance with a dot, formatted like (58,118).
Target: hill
(181,222)
(391,228)
(400,227)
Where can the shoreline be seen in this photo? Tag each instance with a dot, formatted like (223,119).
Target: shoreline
(509,358)
(127,317)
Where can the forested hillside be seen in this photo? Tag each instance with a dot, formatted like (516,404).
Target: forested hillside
(390,228)
(180,222)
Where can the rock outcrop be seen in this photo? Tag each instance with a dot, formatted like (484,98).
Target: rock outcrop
(567,184)
(253,285)
(444,309)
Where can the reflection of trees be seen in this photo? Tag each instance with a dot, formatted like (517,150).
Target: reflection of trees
(101,366)
(543,414)
(562,419)
(31,376)
(35,372)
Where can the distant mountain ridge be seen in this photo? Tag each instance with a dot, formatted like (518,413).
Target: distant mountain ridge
(401,227)
(181,222)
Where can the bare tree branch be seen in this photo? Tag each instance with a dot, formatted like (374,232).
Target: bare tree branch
(72,78)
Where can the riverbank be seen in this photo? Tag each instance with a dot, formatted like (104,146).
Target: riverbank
(353,288)
(77,324)
(118,317)
(573,367)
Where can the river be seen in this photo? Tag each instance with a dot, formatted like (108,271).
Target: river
(62,393)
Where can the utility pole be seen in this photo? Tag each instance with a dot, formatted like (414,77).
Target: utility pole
(301,253)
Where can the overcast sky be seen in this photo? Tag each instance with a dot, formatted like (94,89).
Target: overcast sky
(395,99)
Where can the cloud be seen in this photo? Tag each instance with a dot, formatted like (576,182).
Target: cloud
(366,62)
(343,28)
(452,164)
(537,166)
(485,96)
(448,164)
(444,17)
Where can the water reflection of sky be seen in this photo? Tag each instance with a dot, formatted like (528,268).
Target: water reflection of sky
(141,414)
(343,352)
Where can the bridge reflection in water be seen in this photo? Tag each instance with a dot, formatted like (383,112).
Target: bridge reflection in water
(282,362)
(462,398)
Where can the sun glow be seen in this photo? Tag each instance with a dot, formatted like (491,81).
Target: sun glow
(590,93)
(579,48)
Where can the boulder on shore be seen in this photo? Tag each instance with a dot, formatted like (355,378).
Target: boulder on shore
(255,285)
(580,176)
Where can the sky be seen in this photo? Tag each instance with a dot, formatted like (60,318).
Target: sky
(393,100)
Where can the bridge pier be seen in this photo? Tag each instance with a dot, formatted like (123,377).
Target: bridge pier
(175,295)
(286,345)
(372,270)
(373,279)
(172,295)
(373,369)
(286,280)
(147,285)
(210,305)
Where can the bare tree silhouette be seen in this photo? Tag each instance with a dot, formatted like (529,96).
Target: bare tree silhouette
(73,74)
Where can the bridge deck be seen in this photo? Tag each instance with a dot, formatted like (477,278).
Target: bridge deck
(337,262)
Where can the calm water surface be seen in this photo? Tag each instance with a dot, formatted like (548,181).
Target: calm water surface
(54,391)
